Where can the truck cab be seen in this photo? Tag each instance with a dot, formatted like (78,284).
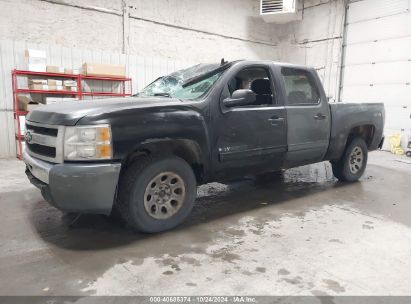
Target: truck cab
(287,125)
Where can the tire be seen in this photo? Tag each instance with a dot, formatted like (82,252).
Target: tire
(167,183)
(349,168)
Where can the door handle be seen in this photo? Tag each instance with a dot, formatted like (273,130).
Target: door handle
(320,116)
(275,120)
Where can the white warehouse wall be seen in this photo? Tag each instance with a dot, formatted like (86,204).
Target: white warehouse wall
(195,30)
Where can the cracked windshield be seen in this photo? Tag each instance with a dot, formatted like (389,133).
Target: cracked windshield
(172,85)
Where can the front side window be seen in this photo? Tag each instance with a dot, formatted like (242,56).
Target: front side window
(300,87)
(255,79)
(172,85)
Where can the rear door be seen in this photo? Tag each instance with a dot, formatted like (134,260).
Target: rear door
(308,116)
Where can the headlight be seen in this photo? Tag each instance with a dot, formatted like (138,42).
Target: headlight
(88,143)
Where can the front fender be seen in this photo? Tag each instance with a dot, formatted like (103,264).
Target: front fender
(134,128)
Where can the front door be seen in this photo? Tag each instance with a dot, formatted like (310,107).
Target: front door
(251,138)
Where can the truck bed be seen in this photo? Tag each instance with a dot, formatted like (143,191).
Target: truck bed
(346,116)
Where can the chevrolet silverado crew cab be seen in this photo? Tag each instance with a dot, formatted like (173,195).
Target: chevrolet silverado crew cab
(142,157)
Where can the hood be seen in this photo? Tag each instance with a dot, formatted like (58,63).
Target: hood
(69,113)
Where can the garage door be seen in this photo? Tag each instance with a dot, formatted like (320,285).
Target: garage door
(377,59)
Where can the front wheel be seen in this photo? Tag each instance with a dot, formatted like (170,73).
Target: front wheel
(352,164)
(156,193)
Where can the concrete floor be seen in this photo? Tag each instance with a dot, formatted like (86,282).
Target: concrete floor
(304,234)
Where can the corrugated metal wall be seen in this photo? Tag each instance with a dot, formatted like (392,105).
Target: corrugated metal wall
(377,62)
(143,70)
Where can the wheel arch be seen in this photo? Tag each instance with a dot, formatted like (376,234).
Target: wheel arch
(365,131)
(187,149)
(341,139)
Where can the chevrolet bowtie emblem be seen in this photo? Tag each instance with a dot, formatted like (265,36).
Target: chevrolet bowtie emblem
(28,137)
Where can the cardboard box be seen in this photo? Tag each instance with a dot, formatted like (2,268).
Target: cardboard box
(32,53)
(35,86)
(52,99)
(71,89)
(37,81)
(54,82)
(54,69)
(70,83)
(71,71)
(35,56)
(26,104)
(35,67)
(98,69)
(24,99)
(55,88)
(30,106)
(36,60)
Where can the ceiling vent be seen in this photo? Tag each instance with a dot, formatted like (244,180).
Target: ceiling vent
(279,11)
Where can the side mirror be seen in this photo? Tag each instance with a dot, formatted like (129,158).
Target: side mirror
(241,97)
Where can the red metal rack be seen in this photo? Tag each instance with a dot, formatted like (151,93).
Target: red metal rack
(79,93)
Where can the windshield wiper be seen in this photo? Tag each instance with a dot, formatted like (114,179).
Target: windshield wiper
(164,94)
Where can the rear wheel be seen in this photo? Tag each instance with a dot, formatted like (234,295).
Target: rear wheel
(156,193)
(352,164)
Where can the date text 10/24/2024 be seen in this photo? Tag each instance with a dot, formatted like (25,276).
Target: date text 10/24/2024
(202,299)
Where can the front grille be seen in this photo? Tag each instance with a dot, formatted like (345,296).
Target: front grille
(42,130)
(44,141)
(42,150)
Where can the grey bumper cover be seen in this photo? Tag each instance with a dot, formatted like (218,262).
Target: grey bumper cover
(84,188)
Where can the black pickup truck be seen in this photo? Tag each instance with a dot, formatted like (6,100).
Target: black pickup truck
(142,157)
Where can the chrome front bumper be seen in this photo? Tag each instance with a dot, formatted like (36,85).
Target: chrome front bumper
(40,169)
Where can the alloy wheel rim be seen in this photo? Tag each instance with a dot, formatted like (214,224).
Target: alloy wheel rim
(164,195)
(356,160)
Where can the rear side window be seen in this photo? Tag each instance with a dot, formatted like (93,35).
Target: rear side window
(300,87)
